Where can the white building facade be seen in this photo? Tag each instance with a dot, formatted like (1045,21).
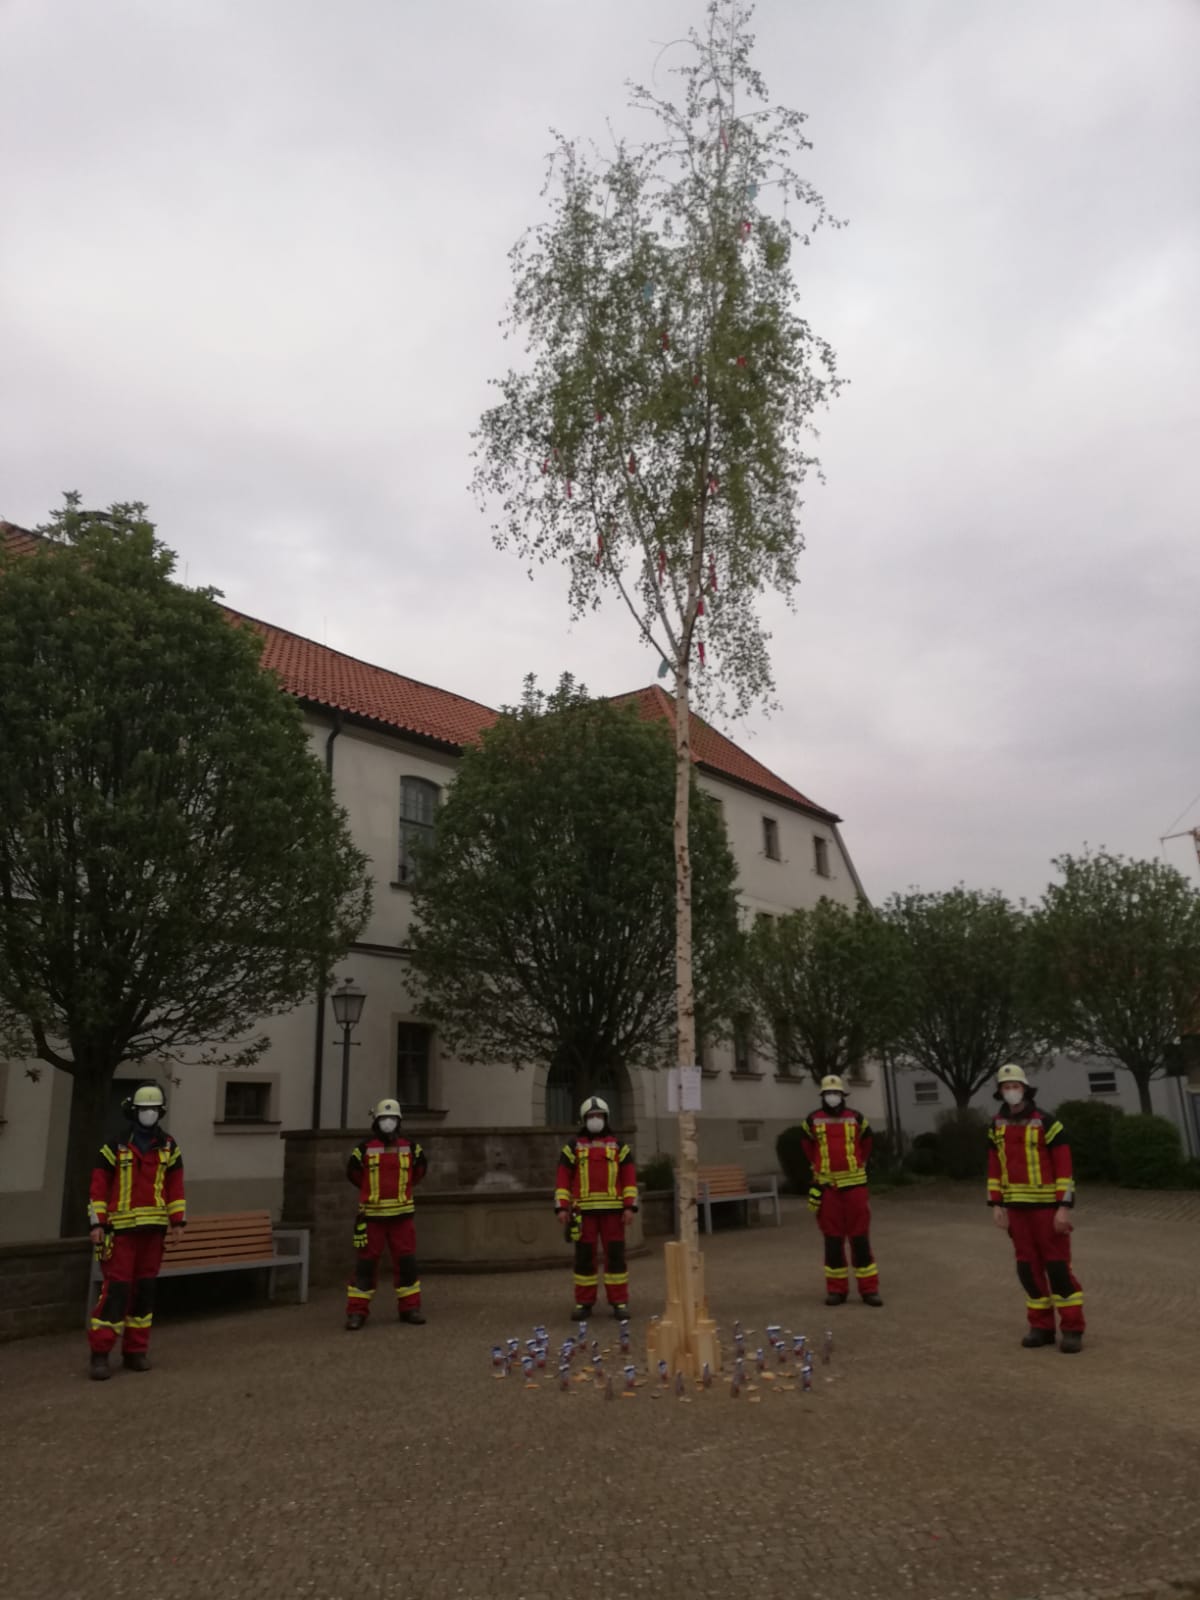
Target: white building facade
(392,746)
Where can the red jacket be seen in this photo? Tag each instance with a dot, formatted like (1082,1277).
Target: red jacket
(384,1171)
(1029,1160)
(595,1175)
(137,1188)
(838,1145)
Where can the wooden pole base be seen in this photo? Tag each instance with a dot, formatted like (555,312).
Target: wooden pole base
(685,1336)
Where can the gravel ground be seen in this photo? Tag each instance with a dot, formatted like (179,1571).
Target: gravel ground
(271,1453)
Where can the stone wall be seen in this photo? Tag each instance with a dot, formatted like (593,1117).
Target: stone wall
(487,1204)
(43,1287)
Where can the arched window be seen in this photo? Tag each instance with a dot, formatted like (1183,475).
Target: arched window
(418,808)
(563,1096)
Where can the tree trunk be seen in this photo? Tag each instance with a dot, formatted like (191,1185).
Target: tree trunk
(963,1094)
(685,997)
(85,1135)
(1142,1079)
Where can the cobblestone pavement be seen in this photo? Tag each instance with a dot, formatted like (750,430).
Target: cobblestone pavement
(270,1453)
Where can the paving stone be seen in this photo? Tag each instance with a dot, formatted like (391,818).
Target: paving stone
(270,1453)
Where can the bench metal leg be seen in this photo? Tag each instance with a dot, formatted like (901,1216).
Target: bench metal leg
(708,1216)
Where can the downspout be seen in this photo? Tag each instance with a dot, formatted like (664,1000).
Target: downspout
(319,1035)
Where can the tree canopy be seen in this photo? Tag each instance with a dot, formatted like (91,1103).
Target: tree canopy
(543,909)
(1116,950)
(821,987)
(173,866)
(963,1005)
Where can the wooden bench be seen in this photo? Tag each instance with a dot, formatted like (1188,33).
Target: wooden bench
(234,1242)
(717,1186)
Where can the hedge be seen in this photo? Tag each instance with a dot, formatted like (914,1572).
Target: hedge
(1091,1126)
(1149,1153)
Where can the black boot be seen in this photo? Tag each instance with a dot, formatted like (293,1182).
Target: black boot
(835,1299)
(98,1367)
(354,1322)
(621,1309)
(581,1313)
(414,1317)
(1070,1343)
(1037,1337)
(872,1300)
(138,1362)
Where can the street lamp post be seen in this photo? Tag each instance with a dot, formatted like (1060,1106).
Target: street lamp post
(348,1003)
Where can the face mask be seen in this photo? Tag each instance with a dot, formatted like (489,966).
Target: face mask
(1013,1096)
(832,1102)
(594,1124)
(388,1124)
(148,1118)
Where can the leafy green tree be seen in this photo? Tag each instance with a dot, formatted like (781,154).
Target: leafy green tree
(544,907)
(173,867)
(963,1006)
(1116,951)
(821,987)
(655,439)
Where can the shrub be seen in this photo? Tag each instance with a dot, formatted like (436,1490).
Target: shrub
(1190,1175)
(885,1154)
(961,1143)
(1149,1153)
(657,1173)
(789,1148)
(922,1160)
(1091,1127)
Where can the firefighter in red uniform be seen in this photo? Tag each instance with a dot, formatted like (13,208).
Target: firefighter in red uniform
(1031,1191)
(596,1194)
(384,1169)
(136,1194)
(838,1143)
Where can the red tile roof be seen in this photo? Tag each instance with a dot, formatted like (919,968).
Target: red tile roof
(713,752)
(324,678)
(318,676)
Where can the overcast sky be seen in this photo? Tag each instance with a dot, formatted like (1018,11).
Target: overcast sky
(253,256)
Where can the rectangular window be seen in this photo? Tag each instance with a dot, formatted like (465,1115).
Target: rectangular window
(821,856)
(925,1091)
(246,1101)
(418,809)
(413,1049)
(742,1059)
(1102,1083)
(750,1132)
(770,838)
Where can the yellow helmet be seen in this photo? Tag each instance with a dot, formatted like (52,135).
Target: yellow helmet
(593,1106)
(832,1085)
(386,1108)
(148,1095)
(1011,1073)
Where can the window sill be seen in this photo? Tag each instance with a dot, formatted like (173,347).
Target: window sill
(397,885)
(790,1077)
(710,1072)
(747,1077)
(421,1114)
(246,1127)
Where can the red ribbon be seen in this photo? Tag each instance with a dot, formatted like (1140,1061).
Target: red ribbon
(599,548)
(632,462)
(712,575)
(700,647)
(662,563)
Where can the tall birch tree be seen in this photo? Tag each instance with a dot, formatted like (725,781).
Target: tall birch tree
(655,437)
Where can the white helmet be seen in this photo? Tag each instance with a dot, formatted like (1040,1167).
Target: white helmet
(593,1106)
(1011,1073)
(832,1085)
(386,1108)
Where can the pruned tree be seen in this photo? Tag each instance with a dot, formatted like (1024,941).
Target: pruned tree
(656,439)
(963,1002)
(1116,959)
(822,988)
(543,926)
(173,866)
